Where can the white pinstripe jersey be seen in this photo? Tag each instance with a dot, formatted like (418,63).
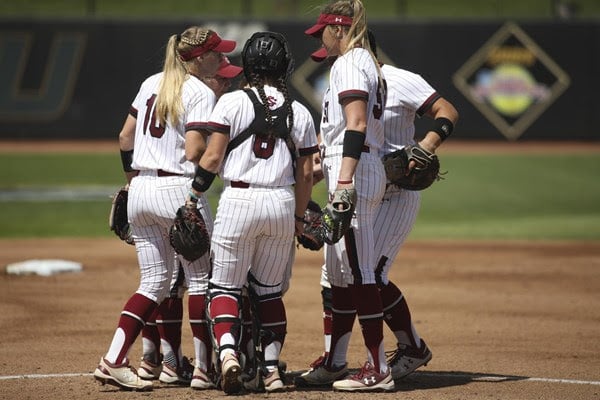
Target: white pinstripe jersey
(255,161)
(157,147)
(408,96)
(353,75)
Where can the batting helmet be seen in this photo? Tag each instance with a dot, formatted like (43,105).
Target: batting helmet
(267,54)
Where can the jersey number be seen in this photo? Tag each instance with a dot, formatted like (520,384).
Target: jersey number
(263,148)
(381,96)
(155,131)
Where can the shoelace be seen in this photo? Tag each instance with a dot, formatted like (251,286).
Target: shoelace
(393,356)
(365,369)
(133,371)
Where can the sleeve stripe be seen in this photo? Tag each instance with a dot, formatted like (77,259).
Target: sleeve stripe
(195,126)
(133,112)
(353,93)
(427,104)
(215,127)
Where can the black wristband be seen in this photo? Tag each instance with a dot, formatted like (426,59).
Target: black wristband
(443,127)
(127,159)
(353,144)
(300,219)
(203,179)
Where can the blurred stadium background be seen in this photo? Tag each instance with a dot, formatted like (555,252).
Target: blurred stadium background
(111,45)
(301,8)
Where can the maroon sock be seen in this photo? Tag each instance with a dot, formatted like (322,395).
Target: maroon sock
(168,320)
(396,311)
(224,305)
(343,314)
(271,313)
(150,333)
(136,312)
(327,318)
(197,311)
(370,318)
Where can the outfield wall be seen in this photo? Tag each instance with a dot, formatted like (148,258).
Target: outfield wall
(510,80)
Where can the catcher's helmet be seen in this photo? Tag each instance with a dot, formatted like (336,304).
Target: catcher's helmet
(267,54)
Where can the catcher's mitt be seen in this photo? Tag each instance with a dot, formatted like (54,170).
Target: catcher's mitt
(117,218)
(337,215)
(421,176)
(188,234)
(312,236)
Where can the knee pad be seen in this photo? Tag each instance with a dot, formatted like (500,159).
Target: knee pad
(214,293)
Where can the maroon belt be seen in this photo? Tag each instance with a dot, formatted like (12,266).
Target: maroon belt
(162,173)
(239,184)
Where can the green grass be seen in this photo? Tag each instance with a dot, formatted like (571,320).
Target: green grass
(285,8)
(522,197)
(34,170)
(514,197)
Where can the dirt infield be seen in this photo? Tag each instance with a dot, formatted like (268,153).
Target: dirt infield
(506,320)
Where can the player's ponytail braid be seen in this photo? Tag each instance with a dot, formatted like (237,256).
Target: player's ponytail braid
(195,38)
(258,81)
(282,86)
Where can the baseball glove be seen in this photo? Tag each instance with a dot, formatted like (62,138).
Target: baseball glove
(188,234)
(337,215)
(312,236)
(421,176)
(117,218)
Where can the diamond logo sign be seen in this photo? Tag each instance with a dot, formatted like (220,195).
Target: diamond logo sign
(511,80)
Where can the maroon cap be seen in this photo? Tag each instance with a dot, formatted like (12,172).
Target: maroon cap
(212,43)
(228,70)
(328,19)
(319,55)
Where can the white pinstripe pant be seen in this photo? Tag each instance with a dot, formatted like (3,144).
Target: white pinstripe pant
(369,181)
(152,204)
(254,229)
(394,221)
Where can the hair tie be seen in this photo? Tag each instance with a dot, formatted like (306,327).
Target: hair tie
(178,37)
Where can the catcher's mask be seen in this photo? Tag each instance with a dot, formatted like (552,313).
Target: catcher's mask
(267,54)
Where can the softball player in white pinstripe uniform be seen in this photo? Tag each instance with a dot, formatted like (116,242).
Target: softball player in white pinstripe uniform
(159,143)
(408,96)
(351,139)
(161,338)
(254,225)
